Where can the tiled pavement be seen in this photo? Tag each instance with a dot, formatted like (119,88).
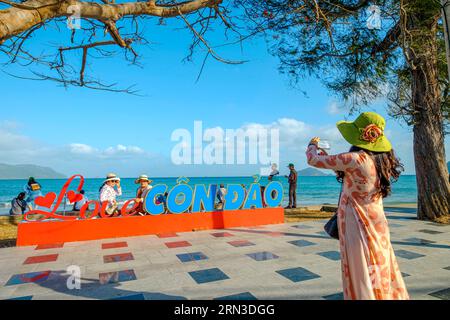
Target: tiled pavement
(287,261)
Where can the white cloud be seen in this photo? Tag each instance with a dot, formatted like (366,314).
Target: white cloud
(10,139)
(295,135)
(121,150)
(128,160)
(80,148)
(117,151)
(131,160)
(333,108)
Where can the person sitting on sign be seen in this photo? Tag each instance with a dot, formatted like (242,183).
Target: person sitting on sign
(108,193)
(79,204)
(263,190)
(162,199)
(144,187)
(18,205)
(32,191)
(221,195)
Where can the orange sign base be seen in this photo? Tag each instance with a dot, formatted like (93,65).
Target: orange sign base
(49,232)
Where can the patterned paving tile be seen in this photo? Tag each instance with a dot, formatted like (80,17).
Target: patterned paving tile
(118,257)
(118,276)
(49,246)
(222,234)
(408,254)
(204,276)
(208,275)
(22,298)
(336,296)
(332,255)
(32,277)
(178,244)
(302,243)
(239,296)
(420,241)
(188,257)
(158,296)
(241,243)
(443,294)
(263,256)
(41,259)
(114,245)
(298,274)
(322,233)
(430,231)
(133,297)
(167,235)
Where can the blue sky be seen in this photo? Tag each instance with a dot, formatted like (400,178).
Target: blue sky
(91,132)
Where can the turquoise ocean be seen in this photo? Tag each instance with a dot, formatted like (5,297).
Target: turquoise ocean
(310,191)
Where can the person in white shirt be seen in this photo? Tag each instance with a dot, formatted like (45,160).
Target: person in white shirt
(274,173)
(221,195)
(79,204)
(109,193)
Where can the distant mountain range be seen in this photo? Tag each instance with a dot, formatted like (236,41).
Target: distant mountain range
(24,171)
(312,172)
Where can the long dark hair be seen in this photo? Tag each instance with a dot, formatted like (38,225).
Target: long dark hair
(31,180)
(388,168)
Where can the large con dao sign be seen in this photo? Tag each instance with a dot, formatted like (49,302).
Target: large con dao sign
(181,199)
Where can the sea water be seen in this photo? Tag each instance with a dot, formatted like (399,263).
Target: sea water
(310,190)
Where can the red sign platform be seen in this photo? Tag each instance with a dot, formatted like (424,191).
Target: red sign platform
(48,232)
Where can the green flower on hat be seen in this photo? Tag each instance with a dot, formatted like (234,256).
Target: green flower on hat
(366,132)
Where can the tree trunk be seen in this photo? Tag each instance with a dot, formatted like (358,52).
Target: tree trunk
(429,154)
(446,26)
(432,176)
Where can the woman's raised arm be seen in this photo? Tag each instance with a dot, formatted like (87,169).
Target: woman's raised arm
(339,162)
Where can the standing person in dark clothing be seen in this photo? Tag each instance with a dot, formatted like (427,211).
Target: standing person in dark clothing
(292,179)
(18,205)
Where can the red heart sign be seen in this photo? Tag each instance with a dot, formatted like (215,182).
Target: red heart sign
(46,201)
(74,197)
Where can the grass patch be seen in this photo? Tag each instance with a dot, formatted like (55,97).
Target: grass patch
(8,230)
(443,220)
(306,214)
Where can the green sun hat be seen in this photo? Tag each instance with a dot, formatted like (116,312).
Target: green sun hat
(366,132)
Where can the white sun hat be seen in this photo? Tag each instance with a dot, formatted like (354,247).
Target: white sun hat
(111,177)
(142,177)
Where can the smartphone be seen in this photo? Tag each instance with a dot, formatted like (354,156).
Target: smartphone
(323,144)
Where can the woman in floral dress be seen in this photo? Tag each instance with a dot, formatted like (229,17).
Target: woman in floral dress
(369,267)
